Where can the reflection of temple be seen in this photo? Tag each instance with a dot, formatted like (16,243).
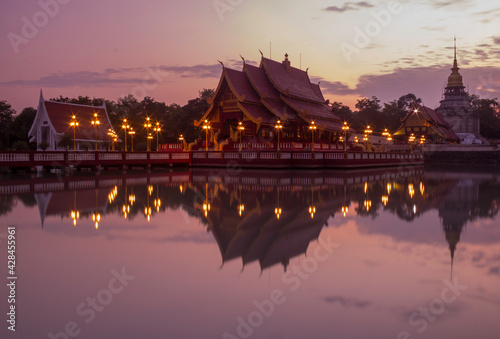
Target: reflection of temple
(62,203)
(457,208)
(268,230)
(269,217)
(273,218)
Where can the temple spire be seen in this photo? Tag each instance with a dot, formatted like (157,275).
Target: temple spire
(455,78)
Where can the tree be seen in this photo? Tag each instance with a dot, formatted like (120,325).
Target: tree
(405,102)
(43,145)
(368,114)
(488,110)
(392,115)
(342,111)
(22,123)
(6,120)
(66,141)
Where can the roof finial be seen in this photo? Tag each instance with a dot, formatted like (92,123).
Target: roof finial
(455,47)
(261,54)
(242,58)
(220,62)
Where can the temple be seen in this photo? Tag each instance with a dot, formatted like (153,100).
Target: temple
(457,109)
(259,97)
(423,121)
(52,122)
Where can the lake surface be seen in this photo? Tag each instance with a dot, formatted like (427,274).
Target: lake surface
(204,253)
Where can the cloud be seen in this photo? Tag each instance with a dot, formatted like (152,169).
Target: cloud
(348,302)
(448,4)
(121,76)
(348,6)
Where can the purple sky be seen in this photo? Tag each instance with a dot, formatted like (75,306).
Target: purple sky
(169,50)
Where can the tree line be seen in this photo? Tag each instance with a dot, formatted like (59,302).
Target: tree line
(176,120)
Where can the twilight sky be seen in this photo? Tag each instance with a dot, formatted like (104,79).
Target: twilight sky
(169,49)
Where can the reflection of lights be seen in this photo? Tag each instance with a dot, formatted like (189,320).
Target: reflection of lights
(345,210)
(157,203)
(206,208)
(385,199)
(414,209)
(367,204)
(241,209)
(150,189)
(366,187)
(411,190)
(96,217)
(112,194)
(131,199)
(312,211)
(180,188)
(75,215)
(278,212)
(389,188)
(148,212)
(125,210)
(422,188)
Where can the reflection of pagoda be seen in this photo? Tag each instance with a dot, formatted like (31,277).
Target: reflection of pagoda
(457,209)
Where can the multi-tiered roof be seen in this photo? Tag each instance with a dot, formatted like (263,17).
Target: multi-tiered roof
(273,91)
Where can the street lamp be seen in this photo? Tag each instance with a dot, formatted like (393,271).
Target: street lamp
(150,137)
(206,127)
(368,131)
(95,123)
(411,139)
(73,124)
(132,134)
(147,126)
(125,126)
(422,141)
(241,128)
(313,127)
(157,129)
(345,128)
(278,127)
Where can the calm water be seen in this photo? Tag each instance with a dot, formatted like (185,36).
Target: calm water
(254,254)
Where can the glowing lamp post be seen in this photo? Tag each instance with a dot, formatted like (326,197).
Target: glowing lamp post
(132,134)
(345,128)
(278,128)
(312,127)
(95,122)
(411,139)
(368,131)
(150,137)
(157,129)
(125,126)
(74,124)
(206,127)
(241,128)
(147,126)
(422,141)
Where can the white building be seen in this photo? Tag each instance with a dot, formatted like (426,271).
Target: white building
(53,119)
